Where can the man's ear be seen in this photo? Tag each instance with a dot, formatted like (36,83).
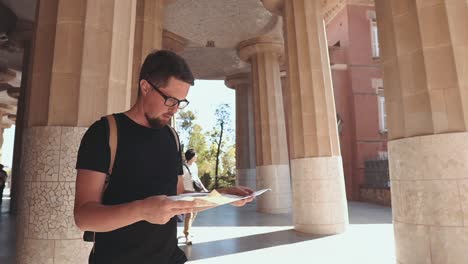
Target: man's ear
(144,89)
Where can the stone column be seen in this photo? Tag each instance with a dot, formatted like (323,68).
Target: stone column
(319,195)
(245,133)
(80,70)
(174,43)
(286,106)
(1,140)
(272,161)
(148,35)
(424,54)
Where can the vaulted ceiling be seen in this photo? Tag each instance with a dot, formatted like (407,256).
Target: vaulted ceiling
(212,28)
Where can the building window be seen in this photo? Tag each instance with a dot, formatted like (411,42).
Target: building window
(382,114)
(375,40)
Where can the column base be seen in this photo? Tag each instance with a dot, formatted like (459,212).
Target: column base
(46,230)
(319,195)
(275,177)
(429,187)
(247,177)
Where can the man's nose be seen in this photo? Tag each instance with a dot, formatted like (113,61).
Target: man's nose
(173,109)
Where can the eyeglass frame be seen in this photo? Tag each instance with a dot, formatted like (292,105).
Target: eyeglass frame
(166,97)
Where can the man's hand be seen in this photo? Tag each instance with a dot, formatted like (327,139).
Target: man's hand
(160,209)
(240,191)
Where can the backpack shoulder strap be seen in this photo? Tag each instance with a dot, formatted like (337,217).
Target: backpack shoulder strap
(188,169)
(112,140)
(88,235)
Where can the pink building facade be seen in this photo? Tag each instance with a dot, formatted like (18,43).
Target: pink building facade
(357,82)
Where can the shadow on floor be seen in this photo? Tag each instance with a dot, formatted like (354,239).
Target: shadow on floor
(365,213)
(359,213)
(243,244)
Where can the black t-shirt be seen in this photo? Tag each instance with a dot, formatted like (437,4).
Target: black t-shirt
(147,163)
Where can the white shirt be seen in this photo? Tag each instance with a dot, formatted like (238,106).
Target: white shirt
(190,176)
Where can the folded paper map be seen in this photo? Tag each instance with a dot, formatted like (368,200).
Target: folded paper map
(213,198)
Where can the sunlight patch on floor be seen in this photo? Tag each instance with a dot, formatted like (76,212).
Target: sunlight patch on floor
(362,243)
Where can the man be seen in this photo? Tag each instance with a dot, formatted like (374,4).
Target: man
(192,183)
(134,219)
(3,179)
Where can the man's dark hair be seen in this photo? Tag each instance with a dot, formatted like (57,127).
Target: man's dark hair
(189,154)
(160,65)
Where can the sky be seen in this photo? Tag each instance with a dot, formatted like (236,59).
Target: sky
(204,97)
(7,148)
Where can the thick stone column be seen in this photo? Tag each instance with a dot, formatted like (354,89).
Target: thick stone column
(245,133)
(148,35)
(316,167)
(270,132)
(80,70)
(1,140)
(424,53)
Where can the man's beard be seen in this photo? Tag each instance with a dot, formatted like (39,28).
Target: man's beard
(155,122)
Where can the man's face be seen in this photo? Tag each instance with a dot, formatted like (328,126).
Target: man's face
(156,112)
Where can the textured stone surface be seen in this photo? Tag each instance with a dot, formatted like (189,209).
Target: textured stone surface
(51,211)
(46,228)
(225,22)
(429,177)
(275,177)
(449,245)
(71,251)
(36,251)
(41,154)
(69,144)
(318,195)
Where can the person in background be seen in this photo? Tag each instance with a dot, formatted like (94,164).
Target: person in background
(192,183)
(3,179)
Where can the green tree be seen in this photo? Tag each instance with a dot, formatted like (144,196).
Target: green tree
(185,123)
(197,141)
(228,160)
(223,121)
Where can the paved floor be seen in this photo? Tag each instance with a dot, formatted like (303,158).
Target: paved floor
(7,234)
(241,235)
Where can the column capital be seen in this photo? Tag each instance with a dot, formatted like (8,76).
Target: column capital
(7,75)
(173,42)
(274,6)
(233,81)
(247,48)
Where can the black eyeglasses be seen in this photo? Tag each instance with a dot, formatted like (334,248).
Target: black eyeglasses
(170,101)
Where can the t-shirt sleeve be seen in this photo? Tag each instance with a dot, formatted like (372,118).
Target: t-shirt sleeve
(94,151)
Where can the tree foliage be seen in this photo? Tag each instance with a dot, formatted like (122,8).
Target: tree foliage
(223,121)
(215,148)
(185,122)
